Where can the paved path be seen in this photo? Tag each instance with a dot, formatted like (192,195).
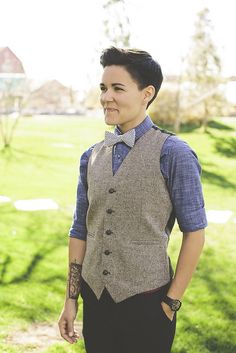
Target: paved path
(39,337)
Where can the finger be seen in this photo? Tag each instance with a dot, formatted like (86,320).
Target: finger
(63,331)
(70,332)
(76,335)
(70,328)
(62,328)
(68,339)
(64,334)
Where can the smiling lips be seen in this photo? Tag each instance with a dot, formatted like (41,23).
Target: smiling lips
(110,110)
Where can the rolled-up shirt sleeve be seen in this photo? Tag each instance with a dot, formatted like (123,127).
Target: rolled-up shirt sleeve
(183,177)
(78,227)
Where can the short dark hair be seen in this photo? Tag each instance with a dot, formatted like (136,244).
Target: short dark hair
(140,65)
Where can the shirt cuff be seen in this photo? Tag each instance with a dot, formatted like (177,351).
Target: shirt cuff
(194,221)
(80,232)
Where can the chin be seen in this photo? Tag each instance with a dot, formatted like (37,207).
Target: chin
(110,121)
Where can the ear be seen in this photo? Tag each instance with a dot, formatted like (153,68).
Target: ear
(149,93)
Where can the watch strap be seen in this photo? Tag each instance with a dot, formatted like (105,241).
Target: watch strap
(174,304)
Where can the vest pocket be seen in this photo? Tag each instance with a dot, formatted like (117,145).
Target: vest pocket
(144,261)
(145,242)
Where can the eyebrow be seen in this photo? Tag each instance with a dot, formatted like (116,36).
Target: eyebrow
(113,84)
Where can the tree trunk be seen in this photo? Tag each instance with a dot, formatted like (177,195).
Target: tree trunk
(204,124)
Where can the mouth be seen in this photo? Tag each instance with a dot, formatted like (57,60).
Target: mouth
(110,110)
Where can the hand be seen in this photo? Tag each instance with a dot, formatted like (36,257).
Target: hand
(66,321)
(167,310)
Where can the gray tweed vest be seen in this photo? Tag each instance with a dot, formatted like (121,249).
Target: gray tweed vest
(126,248)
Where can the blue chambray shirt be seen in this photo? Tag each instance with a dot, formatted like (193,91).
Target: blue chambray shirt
(180,168)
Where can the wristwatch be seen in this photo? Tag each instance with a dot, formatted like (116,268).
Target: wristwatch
(174,304)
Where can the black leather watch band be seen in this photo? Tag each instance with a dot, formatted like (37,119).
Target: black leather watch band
(174,304)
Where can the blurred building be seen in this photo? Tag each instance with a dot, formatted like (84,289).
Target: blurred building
(16,93)
(13,82)
(52,98)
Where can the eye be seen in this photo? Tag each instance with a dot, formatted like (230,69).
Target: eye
(118,89)
(102,88)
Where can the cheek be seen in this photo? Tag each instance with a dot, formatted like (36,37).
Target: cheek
(128,102)
(134,103)
(101,99)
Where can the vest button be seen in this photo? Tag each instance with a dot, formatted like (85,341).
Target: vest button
(107,252)
(111,190)
(109,232)
(105,272)
(109,210)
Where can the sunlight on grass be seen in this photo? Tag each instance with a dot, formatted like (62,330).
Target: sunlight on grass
(214,216)
(33,253)
(4,199)
(35,205)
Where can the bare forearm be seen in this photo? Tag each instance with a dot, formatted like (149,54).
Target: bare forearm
(77,249)
(190,252)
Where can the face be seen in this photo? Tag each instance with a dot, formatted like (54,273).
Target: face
(124,104)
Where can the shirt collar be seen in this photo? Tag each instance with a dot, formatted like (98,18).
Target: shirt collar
(140,129)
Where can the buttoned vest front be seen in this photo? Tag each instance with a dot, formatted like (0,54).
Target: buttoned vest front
(126,248)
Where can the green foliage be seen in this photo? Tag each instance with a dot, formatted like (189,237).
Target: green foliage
(33,253)
(196,95)
(204,72)
(205,64)
(164,108)
(116,23)
(92,99)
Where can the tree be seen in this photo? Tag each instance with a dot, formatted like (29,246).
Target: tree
(164,108)
(11,102)
(91,100)
(116,23)
(204,70)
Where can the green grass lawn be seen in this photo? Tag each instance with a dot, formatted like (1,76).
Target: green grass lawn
(33,251)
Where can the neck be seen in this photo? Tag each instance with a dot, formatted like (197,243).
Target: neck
(130,124)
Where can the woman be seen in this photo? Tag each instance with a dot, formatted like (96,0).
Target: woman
(132,187)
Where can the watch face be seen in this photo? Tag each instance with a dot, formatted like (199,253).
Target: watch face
(175,305)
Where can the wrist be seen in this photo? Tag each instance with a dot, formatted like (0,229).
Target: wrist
(68,298)
(172,303)
(73,300)
(71,303)
(175,291)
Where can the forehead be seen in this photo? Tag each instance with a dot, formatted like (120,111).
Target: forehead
(115,74)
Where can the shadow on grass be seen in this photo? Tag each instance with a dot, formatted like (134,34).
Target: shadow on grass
(33,225)
(219,126)
(212,338)
(190,127)
(215,344)
(25,276)
(216,179)
(51,279)
(17,154)
(225,146)
(212,266)
(6,262)
(184,128)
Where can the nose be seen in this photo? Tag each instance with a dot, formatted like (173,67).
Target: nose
(106,96)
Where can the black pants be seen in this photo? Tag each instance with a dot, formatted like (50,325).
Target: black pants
(136,325)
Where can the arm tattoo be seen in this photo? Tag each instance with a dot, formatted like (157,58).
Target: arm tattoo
(74,280)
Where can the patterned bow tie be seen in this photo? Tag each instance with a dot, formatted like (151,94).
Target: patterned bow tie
(128,138)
